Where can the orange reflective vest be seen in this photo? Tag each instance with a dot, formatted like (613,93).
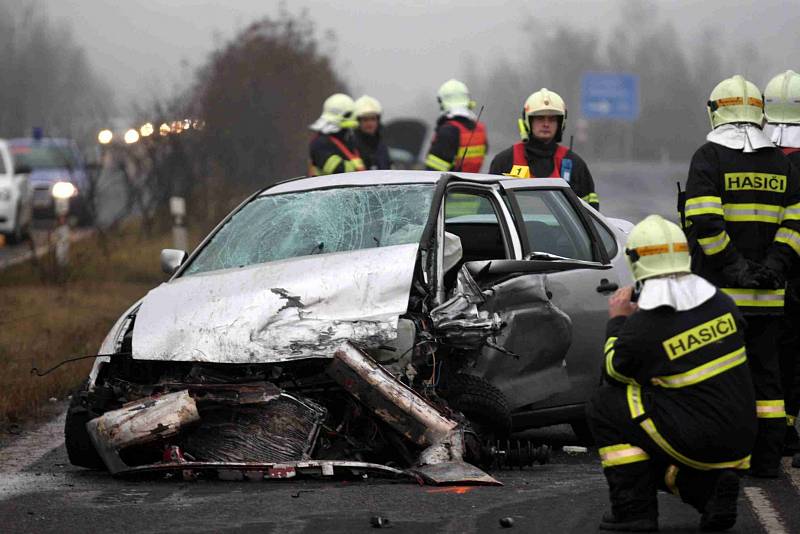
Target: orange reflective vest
(350,156)
(521,168)
(471,147)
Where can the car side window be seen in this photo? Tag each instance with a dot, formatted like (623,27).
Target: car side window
(607,238)
(551,224)
(473,218)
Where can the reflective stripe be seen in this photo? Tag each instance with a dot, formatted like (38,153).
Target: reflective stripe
(768,213)
(792,213)
(770,409)
(634,394)
(790,420)
(622,454)
(609,344)
(788,237)
(331,163)
(650,427)
(610,371)
(670,478)
(437,163)
(474,151)
(769,298)
(714,244)
(703,206)
(703,372)
(592,198)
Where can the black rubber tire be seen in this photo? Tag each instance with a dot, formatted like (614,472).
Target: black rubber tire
(482,403)
(80,449)
(582,432)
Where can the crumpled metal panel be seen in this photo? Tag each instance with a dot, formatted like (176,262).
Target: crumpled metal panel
(285,310)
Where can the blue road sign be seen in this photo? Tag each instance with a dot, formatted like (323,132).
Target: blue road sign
(610,95)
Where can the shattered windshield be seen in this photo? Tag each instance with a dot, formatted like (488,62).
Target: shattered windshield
(284,226)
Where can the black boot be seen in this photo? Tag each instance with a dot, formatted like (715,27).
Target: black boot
(720,510)
(791,442)
(640,524)
(796,460)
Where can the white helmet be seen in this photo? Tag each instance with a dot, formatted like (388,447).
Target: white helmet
(337,113)
(454,94)
(782,98)
(541,103)
(366,105)
(735,100)
(657,247)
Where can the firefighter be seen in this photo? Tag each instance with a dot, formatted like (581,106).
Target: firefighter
(332,149)
(782,111)
(677,412)
(460,142)
(742,211)
(373,150)
(544,118)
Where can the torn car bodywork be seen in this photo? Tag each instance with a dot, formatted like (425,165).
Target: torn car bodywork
(343,354)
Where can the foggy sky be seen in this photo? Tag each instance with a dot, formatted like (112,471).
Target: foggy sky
(397,51)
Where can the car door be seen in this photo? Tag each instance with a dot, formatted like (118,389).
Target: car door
(551,219)
(524,359)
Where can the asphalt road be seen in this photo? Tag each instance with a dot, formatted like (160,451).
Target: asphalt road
(41,492)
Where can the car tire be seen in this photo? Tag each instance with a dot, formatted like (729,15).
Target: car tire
(80,449)
(582,432)
(17,234)
(485,406)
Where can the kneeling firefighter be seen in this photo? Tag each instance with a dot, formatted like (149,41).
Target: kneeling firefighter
(332,149)
(782,111)
(678,410)
(544,118)
(460,141)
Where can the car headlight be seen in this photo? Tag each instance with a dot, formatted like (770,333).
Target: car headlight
(5,194)
(64,190)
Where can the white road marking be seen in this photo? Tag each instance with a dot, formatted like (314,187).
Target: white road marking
(766,513)
(792,473)
(28,449)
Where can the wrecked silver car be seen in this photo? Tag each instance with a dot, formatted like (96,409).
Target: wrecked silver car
(399,322)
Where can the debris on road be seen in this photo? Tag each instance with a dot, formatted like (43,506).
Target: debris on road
(507,522)
(574,449)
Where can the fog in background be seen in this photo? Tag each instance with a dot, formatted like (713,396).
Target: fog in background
(400,52)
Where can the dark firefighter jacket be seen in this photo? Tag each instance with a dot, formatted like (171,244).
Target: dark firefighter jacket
(333,153)
(373,150)
(743,205)
(793,287)
(687,380)
(546,160)
(457,139)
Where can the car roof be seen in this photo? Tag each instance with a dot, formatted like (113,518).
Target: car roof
(388,177)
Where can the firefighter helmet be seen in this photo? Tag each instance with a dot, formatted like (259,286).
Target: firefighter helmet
(454,94)
(657,247)
(782,98)
(366,105)
(735,100)
(542,102)
(338,109)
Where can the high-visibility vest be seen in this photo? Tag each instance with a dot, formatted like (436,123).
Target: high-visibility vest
(521,168)
(351,156)
(471,147)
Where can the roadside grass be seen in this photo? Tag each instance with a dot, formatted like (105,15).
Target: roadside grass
(42,323)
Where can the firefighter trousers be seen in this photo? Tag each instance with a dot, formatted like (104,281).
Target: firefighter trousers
(761,342)
(635,466)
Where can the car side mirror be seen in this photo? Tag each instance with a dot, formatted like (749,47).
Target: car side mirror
(171,259)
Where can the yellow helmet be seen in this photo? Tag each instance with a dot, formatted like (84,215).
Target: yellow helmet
(735,100)
(782,98)
(366,105)
(657,247)
(454,94)
(542,102)
(338,109)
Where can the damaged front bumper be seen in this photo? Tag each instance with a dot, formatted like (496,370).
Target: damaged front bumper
(256,431)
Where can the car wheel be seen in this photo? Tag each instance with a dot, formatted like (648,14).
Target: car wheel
(483,404)
(582,432)
(17,234)
(80,449)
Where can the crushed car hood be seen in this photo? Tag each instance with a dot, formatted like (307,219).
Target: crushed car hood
(278,311)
